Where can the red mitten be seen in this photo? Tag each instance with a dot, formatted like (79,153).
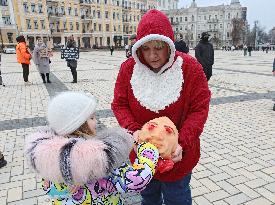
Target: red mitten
(164,165)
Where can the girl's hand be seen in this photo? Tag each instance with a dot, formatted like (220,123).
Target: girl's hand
(73,188)
(177,154)
(135,136)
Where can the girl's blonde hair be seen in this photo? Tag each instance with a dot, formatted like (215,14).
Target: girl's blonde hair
(84,131)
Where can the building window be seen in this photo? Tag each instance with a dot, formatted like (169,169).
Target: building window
(94,26)
(28,22)
(193,18)
(199,36)
(99,27)
(77,26)
(10,38)
(228,16)
(209,18)
(204,17)
(105,1)
(33,8)
(106,14)
(114,28)
(40,8)
(227,34)
(26,8)
(6,20)
(75,12)
(35,24)
(220,25)
(4,3)
(65,25)
(216,17)
(180,19)
(107,27)
(185,19)
(71,26)
(42,22)
(69,10)
(98,14)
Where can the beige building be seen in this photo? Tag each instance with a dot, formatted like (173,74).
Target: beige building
(93,23)
(8,31)
(31,20)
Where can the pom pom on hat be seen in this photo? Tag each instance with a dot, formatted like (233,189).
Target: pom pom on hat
(69,110)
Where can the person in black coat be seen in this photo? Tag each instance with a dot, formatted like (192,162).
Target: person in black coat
(204,53)
(181,46)
(72,63)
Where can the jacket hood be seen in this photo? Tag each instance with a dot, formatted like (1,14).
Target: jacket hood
(77,160)
(155,25)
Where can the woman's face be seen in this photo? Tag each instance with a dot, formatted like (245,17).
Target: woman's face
(155,54)
(92,124)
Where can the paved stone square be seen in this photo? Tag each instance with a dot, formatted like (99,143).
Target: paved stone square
(237,163)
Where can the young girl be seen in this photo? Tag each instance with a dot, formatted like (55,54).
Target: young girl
(80,166)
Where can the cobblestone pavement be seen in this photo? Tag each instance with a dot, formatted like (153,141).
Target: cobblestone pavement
(237,163)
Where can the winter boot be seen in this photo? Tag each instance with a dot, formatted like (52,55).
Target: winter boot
(43,77)
(74,77)
(3,162)
(48,78)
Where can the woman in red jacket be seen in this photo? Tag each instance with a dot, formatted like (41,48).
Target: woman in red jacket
(23,55)
(158,81)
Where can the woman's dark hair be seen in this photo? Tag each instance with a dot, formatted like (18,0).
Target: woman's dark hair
(20,39)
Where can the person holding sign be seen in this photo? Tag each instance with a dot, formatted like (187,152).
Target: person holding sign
(72,62)
(41,58)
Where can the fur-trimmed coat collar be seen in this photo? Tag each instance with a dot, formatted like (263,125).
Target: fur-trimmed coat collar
(77,160)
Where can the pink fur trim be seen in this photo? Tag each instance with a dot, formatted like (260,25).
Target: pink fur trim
(47,159)
(88,161)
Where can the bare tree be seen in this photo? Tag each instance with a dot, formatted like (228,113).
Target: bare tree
(238,29)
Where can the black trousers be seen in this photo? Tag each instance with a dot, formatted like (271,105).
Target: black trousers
(74,73)
(26,71)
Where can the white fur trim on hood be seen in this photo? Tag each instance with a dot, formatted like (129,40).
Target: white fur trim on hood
(155,91)
(152,37)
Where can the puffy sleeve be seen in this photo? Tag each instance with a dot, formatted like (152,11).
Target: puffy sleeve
(23,50)
(196,117)
(120,104)
(135,178)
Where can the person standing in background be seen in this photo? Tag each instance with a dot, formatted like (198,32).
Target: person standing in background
(133,39)
(3,162)
(204,53)
(72,63)
(24,56)
(112,49)
(41,58)
(181,46)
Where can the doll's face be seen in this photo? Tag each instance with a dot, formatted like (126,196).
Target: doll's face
(162,133)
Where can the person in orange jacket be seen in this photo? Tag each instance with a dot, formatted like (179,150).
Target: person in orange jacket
(24,56)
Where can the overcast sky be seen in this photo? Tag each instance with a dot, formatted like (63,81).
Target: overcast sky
(262,10)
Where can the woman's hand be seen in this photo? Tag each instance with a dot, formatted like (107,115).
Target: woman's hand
(177,154)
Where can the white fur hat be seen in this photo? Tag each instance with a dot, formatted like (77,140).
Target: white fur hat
(69,110)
